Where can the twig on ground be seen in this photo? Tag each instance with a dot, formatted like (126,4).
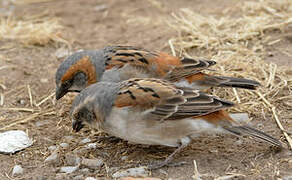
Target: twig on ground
(171,47)
(1,99)
(19,109)
(196,175)
(45,99)
(236,95)
(29,118)
(30,95)
(288,138)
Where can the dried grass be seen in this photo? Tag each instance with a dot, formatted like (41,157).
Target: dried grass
(38,107)
(24,119)
(32,30)
(237,42)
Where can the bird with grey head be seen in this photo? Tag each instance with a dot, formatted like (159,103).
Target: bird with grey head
(155,112)
(79,71)
(119,63)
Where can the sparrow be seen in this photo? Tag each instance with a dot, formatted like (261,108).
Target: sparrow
(155,112)
(119,63)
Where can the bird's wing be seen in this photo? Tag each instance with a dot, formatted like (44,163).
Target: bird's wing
(164,101)
(162,64)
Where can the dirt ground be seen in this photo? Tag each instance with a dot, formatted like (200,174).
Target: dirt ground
(124,22)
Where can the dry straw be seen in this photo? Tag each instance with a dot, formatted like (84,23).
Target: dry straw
(237,42)
(31,30)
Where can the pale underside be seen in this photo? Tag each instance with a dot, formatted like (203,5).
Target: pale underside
(137,128)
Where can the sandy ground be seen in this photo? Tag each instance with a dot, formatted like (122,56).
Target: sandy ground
(130,22)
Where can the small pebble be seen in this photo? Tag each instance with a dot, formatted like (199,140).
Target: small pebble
(92,163)
(270,54)
(238,142)
(64,145)
(91,146)
(213,150)
(84,170)
(53,158)
(80,150)
(44,80)
(42,178)
(287,178)
(79,177)
(123,158)
(133,172)
(163,172)
(68,138)
(17,170)
(86,140)
(41,123)
(21,101)
(52,148)
(101,7)
(72,160)
(260,125)
(13,141)
(68,169)
(90,178)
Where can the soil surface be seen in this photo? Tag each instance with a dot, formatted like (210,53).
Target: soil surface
(126,22)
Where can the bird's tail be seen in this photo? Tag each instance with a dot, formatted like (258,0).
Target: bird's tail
(204,81)
(236,82)
(246,130)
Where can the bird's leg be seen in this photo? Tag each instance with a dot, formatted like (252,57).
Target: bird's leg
(184,143)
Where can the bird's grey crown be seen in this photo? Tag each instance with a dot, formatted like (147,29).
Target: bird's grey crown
(102,96)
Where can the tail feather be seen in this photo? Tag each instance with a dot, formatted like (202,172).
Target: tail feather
(239,83)
(246,130)
(222,81)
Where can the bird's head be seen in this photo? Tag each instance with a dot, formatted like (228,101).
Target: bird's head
(78,71)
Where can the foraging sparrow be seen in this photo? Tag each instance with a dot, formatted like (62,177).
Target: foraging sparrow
(118,63)
(155,112)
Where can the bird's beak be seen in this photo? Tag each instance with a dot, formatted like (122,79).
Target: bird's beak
(77,125)
(60,92)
